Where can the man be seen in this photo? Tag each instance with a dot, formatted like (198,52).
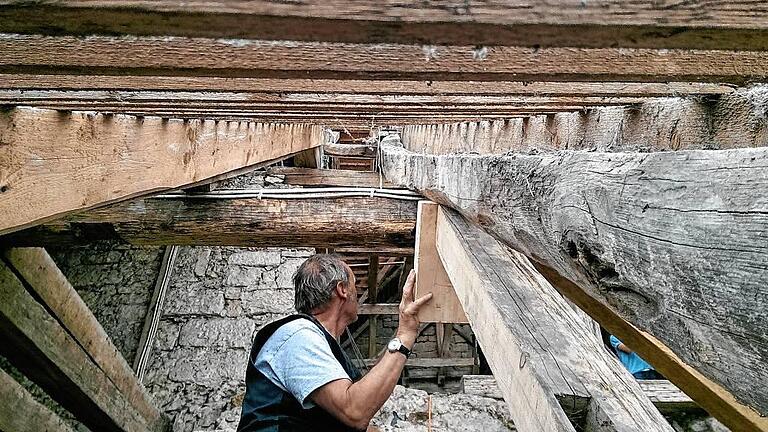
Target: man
(639,368)
(299,379)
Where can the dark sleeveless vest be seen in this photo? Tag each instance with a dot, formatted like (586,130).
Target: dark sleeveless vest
(266,407)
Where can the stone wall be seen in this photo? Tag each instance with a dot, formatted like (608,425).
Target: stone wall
(217,299)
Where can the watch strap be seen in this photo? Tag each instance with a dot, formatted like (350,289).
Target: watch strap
(404,350)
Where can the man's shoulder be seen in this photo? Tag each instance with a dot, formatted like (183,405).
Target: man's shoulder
(299,328)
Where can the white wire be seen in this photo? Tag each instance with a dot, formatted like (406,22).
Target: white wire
(401,194)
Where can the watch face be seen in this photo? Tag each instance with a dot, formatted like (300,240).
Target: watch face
(394,345)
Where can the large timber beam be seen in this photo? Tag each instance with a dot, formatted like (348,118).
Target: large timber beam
(38,344)
(53,163)
(122,85)
(323,222)
(287,59)
(675,243)
(714,25)
(535,343)
(730,121)
(20,412)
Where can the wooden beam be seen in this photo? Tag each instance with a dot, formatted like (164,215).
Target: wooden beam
(533,340)
(372,223)
(378,309)
(373,295)
(20,412)
(154,311)
(287,59)
(122,86)
(431,276)
(662,393)
(36,344)
(432,362)
(714,25)
(667,241)
(52,164)
(350,150)
(657,125)
(328,177)
(36,268)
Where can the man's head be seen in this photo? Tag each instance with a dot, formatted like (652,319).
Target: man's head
(324,281)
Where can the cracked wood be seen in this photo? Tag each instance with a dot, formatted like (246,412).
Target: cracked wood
(676,243)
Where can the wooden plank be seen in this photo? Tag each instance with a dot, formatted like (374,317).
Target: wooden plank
(671,242)
(52,163)
(430,273)
(122,86)
(154,311)
(286,59)
(374,224)
(20,412)
(432,362)
(605,23)
(662,393)
(533,340)
(328,177)
(378,309)
(37,269)
(36,344)
(350,150)
(657,125)
(373,295)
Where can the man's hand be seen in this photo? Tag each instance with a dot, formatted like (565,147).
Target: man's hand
(408,328)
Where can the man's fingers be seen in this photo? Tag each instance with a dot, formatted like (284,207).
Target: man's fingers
(422,300)
(408,287)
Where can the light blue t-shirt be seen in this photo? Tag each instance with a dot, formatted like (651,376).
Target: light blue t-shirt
(298,359)
(633,362)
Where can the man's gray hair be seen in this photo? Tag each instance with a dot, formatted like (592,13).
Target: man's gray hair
(316,279)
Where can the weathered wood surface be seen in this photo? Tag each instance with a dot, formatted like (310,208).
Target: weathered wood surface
(329,177)
(730,121)
(20,412)
(54,163)
(286,59)
(37,345)
(431,276)
(662,393)
(715,24)
(350,150)
(121,84)
(378,309)
(673,242)
(37,269)
(315,222)
(543,356)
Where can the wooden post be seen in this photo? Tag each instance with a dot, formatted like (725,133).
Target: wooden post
(373,294)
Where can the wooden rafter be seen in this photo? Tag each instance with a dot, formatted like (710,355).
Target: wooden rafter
(644,240)
(52,163)
(544,359)
(20,412)
(68,354)
(290,59)
(714,25)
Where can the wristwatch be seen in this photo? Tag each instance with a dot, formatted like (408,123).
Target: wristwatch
(396,346)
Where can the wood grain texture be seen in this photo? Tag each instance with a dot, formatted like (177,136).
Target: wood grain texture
(20,412)
(641,23)
(41,274)
(328,177)
(286,59)
(431,276)
(55,163)
(350,150)
(730,121)
(36,344)
(673,242)
(373,223)
(542,354)
(120,84)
